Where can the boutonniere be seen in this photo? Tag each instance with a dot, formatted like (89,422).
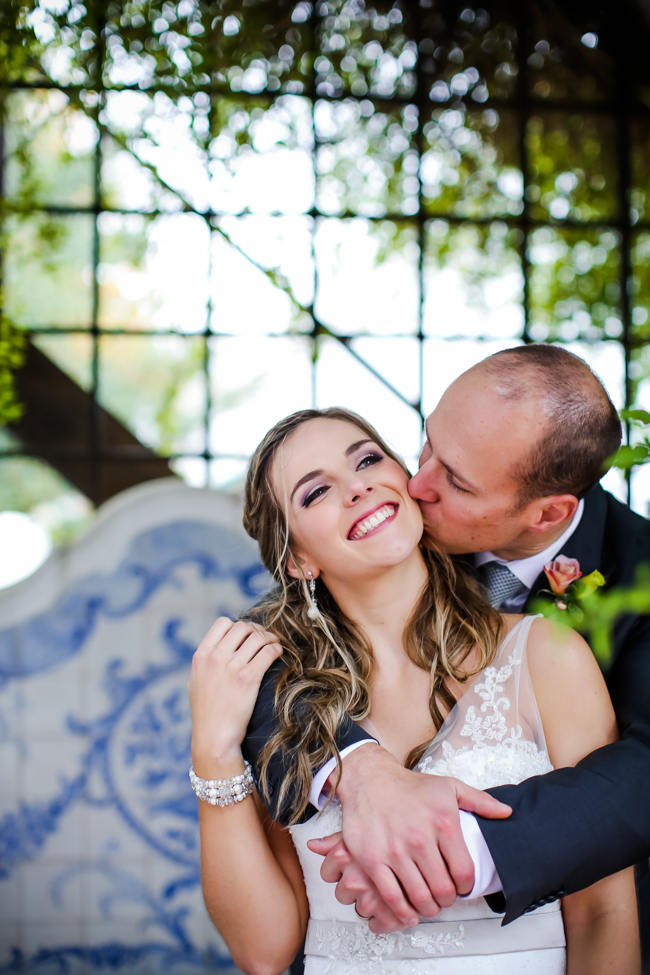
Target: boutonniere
(568,583)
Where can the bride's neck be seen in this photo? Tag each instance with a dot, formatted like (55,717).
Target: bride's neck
(382,604)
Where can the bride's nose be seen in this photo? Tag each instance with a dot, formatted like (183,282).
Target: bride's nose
(356,490)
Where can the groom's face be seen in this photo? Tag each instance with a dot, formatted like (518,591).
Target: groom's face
(466,485)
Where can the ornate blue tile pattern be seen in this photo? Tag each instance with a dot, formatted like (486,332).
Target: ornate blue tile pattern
(98,827)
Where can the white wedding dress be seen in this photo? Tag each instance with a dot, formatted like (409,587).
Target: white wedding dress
(492,736)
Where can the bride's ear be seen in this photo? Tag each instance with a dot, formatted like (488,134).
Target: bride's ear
(298,568)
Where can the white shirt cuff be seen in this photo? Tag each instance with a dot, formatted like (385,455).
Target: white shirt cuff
(486,878)
(316,795)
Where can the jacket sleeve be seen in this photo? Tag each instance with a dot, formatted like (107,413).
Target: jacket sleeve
(262,727)
(574,826)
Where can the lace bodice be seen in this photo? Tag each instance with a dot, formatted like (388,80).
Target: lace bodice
(492,736)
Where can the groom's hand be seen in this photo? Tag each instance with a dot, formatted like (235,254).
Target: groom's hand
(402,830)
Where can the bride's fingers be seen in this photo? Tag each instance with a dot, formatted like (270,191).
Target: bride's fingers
(433,868)
(251,645)
(391,893)
(215,635)
(417,891)
(334,863)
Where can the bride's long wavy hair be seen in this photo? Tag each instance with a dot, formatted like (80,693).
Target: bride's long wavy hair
(328,661)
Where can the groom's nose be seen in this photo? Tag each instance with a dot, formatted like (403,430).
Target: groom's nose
(423,485)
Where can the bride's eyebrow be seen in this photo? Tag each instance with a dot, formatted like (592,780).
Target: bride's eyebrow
(307,477)
(303,480)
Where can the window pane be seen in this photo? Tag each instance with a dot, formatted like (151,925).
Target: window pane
(253,384)
(472,53)
(396,360)
(366,160)
(258,263)
(640,290)
(444,361)
(343,381)
(72,354)
(472,281)
(363,51)
(55,252)
(261,156)
(153,272)
(367,277)
(154,385)
(573,166)
(49,150)
(562,65)
(470,165)
(574,284)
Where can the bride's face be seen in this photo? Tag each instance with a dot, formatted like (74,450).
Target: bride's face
(349,511)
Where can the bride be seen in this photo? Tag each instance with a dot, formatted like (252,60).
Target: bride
(374,628)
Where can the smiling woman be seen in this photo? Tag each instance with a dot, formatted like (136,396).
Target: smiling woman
(350,517)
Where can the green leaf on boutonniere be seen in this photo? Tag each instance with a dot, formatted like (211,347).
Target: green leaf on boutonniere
(594,612)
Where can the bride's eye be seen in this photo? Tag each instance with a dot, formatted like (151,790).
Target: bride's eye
(317,492)
(372,458)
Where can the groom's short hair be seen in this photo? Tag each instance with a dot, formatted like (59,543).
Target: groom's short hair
(582,428)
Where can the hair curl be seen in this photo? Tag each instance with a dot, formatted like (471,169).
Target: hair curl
(328,662)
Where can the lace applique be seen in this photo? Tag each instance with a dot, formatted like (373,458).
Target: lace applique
(496,751)
(372,953)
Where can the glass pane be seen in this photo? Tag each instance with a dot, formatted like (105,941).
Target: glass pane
(366,160)
(167,137)
(364,51)
(472,281)
(640,375)
(153,272)
(573,166)
(252,253)
(56,252)
(254,384)
(155,385)
(252,49)
(72,354)
(261,156)
(470,163)
(49,150)
(397,361)
(343,381)
(640,290)
(367,277)
(565,62)
(574,284)
(444,361)
(261,274)
(640,166)
(467,51)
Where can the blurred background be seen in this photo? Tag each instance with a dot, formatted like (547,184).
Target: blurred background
(213,213)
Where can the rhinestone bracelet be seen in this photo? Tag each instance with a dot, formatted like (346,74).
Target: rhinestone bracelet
(223,792)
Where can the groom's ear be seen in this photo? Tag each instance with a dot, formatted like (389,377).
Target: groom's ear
(553,512)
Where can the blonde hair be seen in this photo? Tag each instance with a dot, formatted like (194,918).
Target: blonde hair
(328,662)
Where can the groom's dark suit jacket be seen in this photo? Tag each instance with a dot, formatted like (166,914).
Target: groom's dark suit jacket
(573,826)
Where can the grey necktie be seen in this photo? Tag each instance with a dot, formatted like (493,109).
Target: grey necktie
(502,585)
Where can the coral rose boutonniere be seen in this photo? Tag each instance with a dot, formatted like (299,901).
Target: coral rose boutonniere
(567,581)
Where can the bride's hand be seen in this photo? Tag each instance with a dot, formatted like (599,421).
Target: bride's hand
(227,669)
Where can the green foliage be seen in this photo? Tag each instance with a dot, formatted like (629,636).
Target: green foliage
(595,612)
(13,342)
(638,451)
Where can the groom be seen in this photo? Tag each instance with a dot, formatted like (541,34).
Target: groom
(509,471)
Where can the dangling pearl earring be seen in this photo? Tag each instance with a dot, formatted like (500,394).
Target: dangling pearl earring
(313,611)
